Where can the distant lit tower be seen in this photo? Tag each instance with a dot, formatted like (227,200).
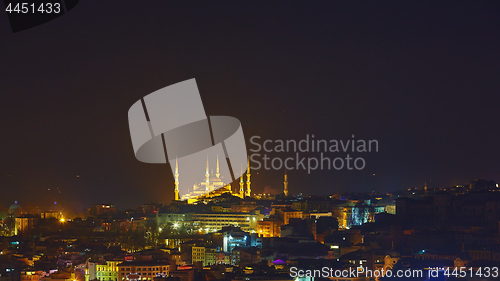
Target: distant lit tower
(176,175)
(242,188)
(248,178)
(207,177)
(425,188)
(285,184)
(217,174)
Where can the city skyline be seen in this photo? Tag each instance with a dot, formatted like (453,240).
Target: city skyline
(67,210)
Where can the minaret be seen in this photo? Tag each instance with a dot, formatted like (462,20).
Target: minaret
(248,178)
(176,175)
(242,188)
(425,188)
(217,174)
(285,183)
(207,177)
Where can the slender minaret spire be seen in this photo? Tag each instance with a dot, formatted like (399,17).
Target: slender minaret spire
(217,173)
(425,188)
(176,191)
(242,188)
(207,177)
(249,191)
(285,183)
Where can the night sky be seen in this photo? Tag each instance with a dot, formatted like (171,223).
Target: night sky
(420,77)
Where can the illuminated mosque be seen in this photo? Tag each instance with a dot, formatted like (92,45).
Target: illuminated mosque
(212,186)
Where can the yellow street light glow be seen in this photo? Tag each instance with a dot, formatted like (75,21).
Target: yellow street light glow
(62,220)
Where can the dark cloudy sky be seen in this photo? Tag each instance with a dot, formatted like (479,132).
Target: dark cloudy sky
(421,77)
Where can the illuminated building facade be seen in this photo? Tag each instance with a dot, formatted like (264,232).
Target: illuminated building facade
(287,213)
(101,209)
(198,255)
(216,221)
(52,214)
(270,227)
(222,258)
(358,215)
(235,239)
(205,255)
(390,209)
(142,270)
(25,222)
(210,256)
(107,271)
(244,206)
(176,219)
(32,275)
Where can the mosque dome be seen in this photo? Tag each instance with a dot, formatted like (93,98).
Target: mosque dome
(14,207)
(214,179)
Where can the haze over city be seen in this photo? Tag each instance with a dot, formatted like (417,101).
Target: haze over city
(418,77)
